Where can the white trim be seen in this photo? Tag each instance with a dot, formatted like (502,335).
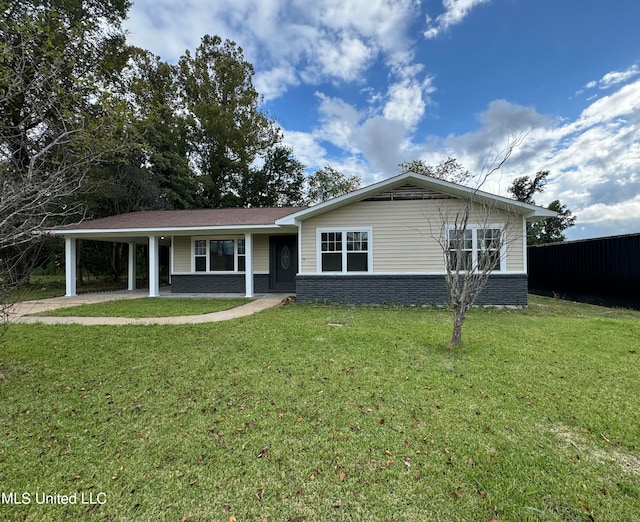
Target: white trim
(525,261)
(171,252)
(131,268)
(70,258)
(346,274)
(166,231)
(532,212)
(474,241)
(299,248)
(248,263)
(344,231)
(227,272)
(154,267)
(231,237)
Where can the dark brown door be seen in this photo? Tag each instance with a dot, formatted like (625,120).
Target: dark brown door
(284,263)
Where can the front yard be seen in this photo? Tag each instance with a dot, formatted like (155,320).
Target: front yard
(326,413)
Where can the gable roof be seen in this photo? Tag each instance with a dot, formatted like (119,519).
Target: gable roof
(531,212)
(166,220)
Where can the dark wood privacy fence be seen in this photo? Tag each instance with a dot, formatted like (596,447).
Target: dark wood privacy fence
(601,271)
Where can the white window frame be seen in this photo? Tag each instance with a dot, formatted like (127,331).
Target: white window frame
(208,255)
(502,267)
(344,231)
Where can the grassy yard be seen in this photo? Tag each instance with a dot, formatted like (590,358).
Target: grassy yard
(327,413)
(147,307)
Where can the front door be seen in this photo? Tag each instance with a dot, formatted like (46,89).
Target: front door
(284,263)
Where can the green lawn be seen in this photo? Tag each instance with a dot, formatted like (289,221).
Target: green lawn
(147,307)
(328,413)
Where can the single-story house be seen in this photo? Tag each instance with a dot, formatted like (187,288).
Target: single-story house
(381,243)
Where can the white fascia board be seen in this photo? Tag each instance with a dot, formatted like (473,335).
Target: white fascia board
(175,231)
(532,212)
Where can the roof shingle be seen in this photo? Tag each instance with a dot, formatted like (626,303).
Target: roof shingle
(158,219)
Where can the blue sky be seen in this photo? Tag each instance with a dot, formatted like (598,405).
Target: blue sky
(362,85)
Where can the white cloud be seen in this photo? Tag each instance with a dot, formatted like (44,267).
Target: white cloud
(613,78)
(324,40)
(594,160)
(407,101)
(271,83)
(455,12)
(306,147)
(344,59)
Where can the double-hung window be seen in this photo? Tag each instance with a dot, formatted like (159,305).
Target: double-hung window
(219,255)
(344,250)
(200,255)
(460,249)
(476,248)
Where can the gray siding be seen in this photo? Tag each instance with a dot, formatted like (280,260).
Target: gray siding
(217,283)
(503,290)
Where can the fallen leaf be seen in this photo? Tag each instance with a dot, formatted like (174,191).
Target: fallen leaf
(454,494)
(342,475)
(263,452)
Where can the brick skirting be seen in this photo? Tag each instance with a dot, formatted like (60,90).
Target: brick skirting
(501,290)
(217,283)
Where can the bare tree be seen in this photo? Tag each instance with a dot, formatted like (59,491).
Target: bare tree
(473,233)
(55,125)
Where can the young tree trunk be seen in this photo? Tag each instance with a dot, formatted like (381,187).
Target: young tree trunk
(458,321)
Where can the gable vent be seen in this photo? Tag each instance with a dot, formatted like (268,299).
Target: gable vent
(407,192)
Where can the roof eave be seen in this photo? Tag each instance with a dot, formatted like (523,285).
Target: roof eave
(531,212)
(167,231)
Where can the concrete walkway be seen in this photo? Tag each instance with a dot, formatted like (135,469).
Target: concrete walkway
(19,313)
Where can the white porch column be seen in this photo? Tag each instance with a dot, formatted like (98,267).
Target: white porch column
(132,267)
(70,259)
(154,267)
(248,263)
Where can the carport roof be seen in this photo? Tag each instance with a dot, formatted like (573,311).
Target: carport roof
(187,219)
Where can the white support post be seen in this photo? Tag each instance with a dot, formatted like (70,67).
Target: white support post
(70,258)
(132,267)
(248,263)
(154,267)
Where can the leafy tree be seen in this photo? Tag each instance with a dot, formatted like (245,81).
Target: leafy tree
(154,172)
(447,170)
(279,182)
(227,130)
(327,183)
(55,122)
(549,230)
(524,188)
